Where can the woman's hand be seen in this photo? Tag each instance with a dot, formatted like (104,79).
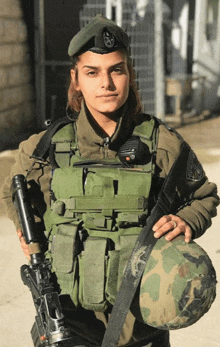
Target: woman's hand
(24,245)
(172,226)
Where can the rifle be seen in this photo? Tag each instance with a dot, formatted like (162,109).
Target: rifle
(48,328)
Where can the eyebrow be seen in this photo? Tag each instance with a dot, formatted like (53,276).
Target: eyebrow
(97,67)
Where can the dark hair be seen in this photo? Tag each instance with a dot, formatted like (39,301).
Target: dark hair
(75,97)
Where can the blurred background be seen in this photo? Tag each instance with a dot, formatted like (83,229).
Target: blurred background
(175,45)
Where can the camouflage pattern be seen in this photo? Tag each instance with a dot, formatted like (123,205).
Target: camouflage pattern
(178,285)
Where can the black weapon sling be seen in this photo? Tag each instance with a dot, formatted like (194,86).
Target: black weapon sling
(142,249)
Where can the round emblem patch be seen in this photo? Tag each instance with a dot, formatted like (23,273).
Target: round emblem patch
(108,39)
(194,170)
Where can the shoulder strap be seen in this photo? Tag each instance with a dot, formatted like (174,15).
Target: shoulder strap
(142,250)
(42,149)
(147,131)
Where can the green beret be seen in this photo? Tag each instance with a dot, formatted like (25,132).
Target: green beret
(101,36)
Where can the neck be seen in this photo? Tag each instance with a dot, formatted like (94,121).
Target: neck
(106,123)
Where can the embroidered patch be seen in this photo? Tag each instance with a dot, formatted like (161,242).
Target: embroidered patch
(194,171)
(109,39)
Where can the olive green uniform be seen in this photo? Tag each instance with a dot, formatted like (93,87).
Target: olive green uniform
(197,212)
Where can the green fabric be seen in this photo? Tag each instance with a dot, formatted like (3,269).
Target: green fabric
(126,202)
(92,274)
(64,141)
(100,182)
(63,248)
(145,130)
(103,202)
(67,182)
(66,134)
(114,235)
(112,275)
(52,219)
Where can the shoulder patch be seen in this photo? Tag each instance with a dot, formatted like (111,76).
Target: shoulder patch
(194,170)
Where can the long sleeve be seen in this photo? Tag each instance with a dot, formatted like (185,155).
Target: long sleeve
(199,197)
(39,174)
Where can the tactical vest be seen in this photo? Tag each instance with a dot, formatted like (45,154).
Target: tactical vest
(97,210)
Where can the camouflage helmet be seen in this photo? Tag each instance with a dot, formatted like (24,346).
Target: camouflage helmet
(178,285)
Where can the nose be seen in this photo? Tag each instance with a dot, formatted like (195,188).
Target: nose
(107,82)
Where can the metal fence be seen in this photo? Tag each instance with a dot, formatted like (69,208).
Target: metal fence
(141,31)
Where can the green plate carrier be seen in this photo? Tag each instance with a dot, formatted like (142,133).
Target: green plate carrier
(96,213)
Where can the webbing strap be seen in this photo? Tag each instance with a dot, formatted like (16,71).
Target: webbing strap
(41,151)
(143,247)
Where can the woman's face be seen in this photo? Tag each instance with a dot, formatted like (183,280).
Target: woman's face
(103,79)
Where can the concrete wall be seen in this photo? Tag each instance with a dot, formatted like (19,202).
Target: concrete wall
(16,87)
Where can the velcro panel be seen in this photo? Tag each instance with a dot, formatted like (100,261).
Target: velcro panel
(119,202)
(99,185)
(134,183)
(67,182)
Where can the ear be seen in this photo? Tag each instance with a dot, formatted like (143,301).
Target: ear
(74,79)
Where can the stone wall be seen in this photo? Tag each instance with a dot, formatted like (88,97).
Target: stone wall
(16,85)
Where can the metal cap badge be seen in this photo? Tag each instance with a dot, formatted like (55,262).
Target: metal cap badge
(109,40)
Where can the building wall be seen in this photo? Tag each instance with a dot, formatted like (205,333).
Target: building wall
(206,54)
(16,86)
(56,22)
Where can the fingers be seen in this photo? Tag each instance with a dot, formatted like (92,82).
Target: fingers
(188,234)
(172,226)
(24,245)
(19,233)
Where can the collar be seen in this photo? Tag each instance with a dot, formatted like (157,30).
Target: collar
(91,137)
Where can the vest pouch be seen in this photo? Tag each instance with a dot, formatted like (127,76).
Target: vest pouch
(92,274)
(65,245)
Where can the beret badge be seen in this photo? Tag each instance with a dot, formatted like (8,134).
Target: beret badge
(109,40)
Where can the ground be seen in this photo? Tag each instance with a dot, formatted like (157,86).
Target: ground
(16,308)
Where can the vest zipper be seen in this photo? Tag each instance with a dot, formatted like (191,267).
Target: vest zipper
(106,146)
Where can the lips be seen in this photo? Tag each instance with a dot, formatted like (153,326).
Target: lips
(107,95)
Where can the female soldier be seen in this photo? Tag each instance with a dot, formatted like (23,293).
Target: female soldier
(104,95)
